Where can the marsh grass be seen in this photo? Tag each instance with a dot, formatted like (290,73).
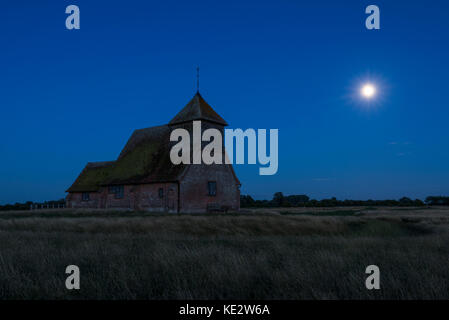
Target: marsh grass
(338,213)
(258,255)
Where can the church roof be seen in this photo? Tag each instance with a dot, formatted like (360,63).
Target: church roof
(144,159)
(91,177)
(197,109)
(146,156)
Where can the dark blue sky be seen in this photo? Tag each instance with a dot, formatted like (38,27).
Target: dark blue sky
(69,97)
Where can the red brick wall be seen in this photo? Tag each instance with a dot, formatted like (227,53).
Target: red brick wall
(137,197)
(147,197)
(74,200)
(194,188)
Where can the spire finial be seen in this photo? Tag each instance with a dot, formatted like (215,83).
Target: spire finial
(197,79)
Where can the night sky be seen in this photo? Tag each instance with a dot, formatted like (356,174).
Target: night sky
(68,97)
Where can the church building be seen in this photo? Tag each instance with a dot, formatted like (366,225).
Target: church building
(144,178)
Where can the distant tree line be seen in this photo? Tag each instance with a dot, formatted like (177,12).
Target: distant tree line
(437,201)
(279,200)
(27,205)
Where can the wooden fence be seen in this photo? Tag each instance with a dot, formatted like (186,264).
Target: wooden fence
(40,206)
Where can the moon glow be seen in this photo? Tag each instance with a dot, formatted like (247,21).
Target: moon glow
(368,91)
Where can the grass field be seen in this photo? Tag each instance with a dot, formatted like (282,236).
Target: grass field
(301,253)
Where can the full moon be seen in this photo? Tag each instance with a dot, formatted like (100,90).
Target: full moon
(368,91)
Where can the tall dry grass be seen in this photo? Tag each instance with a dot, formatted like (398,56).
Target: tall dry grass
(257,255)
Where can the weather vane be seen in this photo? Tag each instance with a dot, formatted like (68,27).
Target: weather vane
(197,79)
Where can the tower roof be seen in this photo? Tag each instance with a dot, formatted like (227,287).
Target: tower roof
(197,109)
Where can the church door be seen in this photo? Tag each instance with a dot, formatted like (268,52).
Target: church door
(170,200)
